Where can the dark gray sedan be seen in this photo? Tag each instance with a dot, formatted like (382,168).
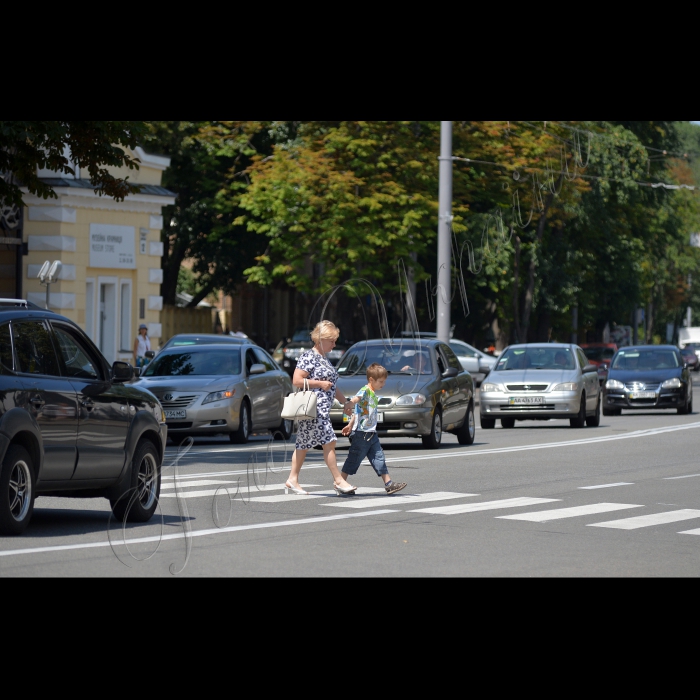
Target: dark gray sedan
(428,392)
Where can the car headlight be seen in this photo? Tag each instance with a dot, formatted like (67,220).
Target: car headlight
(672,384)
(219,396)
(411,400)
(491,388)
(614,384)
(569,386)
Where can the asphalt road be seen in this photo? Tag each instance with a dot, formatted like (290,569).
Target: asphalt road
(541,500)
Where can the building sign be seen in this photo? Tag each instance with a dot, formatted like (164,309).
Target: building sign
(113,247)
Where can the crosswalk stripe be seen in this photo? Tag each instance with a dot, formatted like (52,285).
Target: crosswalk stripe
(191,484)
(487,505)
(563,513)
(603,486)
(675,516)
(391,501)
(232,488)
(303,499)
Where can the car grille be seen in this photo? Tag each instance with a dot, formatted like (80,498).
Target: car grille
(179,426)
(385,402)
(527,387)
(536,407)
(179,402)
(632,386)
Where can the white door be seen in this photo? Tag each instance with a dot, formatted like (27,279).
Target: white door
(107,317)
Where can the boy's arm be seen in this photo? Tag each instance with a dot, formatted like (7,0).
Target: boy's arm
(348,428)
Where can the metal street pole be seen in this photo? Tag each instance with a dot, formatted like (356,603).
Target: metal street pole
(444,291)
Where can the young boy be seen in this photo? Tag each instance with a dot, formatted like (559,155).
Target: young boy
(363,426)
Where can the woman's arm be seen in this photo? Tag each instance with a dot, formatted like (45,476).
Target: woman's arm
(300,376)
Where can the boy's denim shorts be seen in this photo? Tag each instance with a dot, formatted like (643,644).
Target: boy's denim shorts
(365,445)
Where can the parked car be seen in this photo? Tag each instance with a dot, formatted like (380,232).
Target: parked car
(691,355)
(600,355)
(648,377)
(289,350)
(477,363)
(219,389)
(541,382)
(70,426)
(428,392)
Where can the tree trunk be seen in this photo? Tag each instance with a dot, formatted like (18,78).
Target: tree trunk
(530,292)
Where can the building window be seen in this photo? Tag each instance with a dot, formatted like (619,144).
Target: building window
(125,317)
(142,309)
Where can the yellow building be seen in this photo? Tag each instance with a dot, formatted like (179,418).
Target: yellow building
(110,252)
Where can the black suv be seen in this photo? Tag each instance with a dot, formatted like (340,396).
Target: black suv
(69,424)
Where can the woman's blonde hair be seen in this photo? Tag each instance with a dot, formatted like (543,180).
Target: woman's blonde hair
(325,331)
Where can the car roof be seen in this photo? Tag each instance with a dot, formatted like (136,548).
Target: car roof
(9,313)
(567,346)
(198,348)
(423,342)
(635,348)
(222,339)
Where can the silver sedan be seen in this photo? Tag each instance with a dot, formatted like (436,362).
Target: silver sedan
(541,382)
(219,389)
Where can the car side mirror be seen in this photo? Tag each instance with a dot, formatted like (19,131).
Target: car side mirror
(258,369)
(122,372)
(590,368)
(150,355)
(451,373)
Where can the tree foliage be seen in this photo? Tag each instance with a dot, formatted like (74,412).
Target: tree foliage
(27,146)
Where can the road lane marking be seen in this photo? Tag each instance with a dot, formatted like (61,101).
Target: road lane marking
(196,533)
(487,505)
(245,492)
(192,483)
(603,486)
(408,499)
(675,516)
(563,513)
(291,498)
(674,478)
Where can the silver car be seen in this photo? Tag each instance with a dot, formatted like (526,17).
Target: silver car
(477,363)
(219,389)
(541,382)
(427,394)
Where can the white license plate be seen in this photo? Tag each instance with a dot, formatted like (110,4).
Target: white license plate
(176,415)
(643,395)
(526,400)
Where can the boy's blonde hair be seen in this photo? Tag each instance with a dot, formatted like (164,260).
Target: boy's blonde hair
(376,372)
(325,331)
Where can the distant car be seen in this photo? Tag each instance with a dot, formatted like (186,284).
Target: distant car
(288,351)
(648,377)
(228,388)
(600,355)
(691,354)
(428,392)
(540,382)
(188,339)
(477,363)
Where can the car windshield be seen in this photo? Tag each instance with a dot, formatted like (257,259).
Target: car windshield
(599,354)
(397,359)
(645,360)
(195,364)
(536,358)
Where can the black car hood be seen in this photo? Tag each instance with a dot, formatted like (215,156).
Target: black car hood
(645,376)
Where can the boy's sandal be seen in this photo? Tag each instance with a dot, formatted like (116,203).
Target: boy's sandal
(395,488)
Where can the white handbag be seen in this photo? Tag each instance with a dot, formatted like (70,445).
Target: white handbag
(301,405)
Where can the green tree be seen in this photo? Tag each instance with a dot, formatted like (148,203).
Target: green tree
(59,146)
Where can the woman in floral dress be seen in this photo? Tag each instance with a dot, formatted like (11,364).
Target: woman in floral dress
(322,377)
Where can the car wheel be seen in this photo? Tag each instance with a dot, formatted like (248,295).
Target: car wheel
(242,435)
(467,433)
(434,440)
(488,423)
(508,423)
(285,430)
(594,421)
(580,420)
(688,408)
(139,503)
(16,491)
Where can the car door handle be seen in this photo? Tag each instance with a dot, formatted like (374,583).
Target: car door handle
(87,405)
(37,401)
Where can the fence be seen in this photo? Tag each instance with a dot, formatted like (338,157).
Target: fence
(176,320)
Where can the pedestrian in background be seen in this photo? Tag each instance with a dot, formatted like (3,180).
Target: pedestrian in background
(142,345)
(321,377)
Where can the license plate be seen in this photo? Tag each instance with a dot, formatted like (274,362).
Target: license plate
(526,400)
(176,415)
(643,395)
